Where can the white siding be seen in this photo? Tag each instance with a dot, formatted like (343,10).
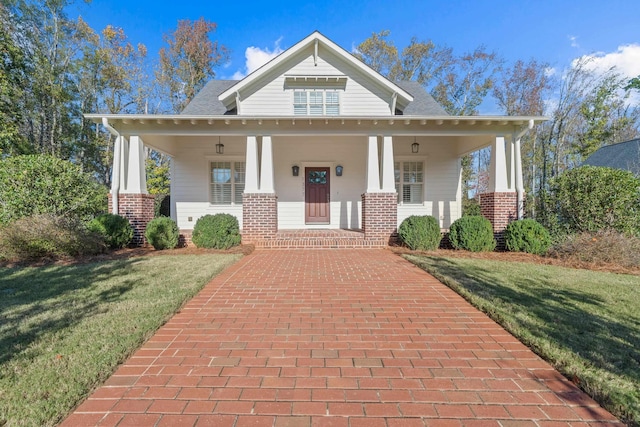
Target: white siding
(360,95)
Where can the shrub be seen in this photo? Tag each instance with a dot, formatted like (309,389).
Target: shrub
(115,229)
(470,207)
(220,231)
(590,199)
(47,236)
(162,233)
(420,233)
(39,184)
(527,235)
(602,247)
(472,233)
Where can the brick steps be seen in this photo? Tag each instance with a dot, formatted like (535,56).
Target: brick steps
(319,239)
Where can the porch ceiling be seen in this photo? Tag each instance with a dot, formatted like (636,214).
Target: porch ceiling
(470,132)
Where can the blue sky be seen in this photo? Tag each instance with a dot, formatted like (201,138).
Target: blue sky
(552,31)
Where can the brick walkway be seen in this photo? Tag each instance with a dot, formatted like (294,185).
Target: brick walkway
(343,338)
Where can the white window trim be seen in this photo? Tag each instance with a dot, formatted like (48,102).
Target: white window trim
(232,160)
(407,159)
(324,91)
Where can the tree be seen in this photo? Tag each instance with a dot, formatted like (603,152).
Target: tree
(188,61)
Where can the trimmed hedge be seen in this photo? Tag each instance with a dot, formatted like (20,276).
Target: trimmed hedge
(219,231)
(420,233)
(115,229)
(472,233)
(527,235)
(162,233)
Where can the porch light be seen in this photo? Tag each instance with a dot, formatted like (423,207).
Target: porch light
(295,170)
(415,146)
(219,147)
(339,170)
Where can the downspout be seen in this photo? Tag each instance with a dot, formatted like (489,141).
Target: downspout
(115,183)
(518,159)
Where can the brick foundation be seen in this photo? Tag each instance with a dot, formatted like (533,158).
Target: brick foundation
(139,210)
(500,209)
(259,216)
(185,238)
(380,216)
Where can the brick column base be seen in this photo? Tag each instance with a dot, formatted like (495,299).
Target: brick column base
(500,209)
(259,216)
(380,216)
(139,210)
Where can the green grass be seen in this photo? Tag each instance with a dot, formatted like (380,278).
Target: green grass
(64,329)
(586,323)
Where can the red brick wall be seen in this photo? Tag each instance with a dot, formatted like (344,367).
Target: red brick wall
(259,216)
(500,209)
(380,216)
(139,210)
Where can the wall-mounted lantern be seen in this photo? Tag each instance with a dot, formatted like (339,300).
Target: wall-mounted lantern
(339,170)
(415,146)
(295,170)
(219,147)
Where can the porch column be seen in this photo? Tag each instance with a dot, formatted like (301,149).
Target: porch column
(519,180)
(251,173)
(499,205)
(266,166)
(259,200)
(373,169)
(379,205)
(129,196)
(388,173)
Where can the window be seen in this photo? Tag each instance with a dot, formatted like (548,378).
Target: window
(409,181)
(316,102)
(227,182)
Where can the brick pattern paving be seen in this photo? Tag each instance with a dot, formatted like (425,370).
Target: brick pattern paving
(341,338)
(319,239)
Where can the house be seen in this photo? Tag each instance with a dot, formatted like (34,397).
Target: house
(315,140)
(623,155)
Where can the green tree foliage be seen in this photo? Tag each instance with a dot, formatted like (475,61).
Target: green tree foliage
(590,199)
(472,233)
(37,184)
(420,233)
(188,61)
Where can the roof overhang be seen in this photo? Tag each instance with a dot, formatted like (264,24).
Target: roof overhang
(479,130)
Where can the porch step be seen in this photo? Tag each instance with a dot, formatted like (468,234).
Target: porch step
(318,239)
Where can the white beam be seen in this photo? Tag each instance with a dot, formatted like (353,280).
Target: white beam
(519,180)
(266,166)
(388,173)
(373,170)
(136,180)
(251,174)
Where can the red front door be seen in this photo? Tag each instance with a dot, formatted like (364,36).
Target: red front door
(317,195)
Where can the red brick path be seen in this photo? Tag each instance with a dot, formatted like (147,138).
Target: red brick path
(344,338)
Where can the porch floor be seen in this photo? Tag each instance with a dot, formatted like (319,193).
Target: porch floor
(318,239)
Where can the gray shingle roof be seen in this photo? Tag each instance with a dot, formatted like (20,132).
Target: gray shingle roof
(624,155)
(206,101)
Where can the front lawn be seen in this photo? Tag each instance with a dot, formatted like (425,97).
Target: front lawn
(586,323)
(64,329)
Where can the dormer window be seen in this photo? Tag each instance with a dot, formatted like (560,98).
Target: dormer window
(316,102)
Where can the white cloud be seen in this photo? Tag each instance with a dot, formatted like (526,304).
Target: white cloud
(574,41)
(626,60)
(256,57)
(550,71)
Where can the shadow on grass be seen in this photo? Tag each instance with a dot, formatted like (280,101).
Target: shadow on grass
(580,321)
(37,301)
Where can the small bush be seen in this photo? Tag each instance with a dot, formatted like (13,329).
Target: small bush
(527,235)
(471,207)
(220,231)
(115,229)
(420,233)
(162,233)
(47,236)
(472,233)
(600,248)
